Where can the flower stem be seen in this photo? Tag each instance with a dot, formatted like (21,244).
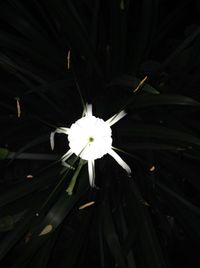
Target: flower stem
(72,183)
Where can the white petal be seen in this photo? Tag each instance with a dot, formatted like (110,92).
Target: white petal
(115,118)
(67,165)
(91,172)
(120,161)
(88,109)
(52,140)
(67,155)
(63,130)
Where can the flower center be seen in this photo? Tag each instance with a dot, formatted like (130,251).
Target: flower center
(90,137)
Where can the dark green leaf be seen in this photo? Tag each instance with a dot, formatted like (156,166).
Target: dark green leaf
(149,249)
(184,211)
(6,223)
(3,153)
(111,237)
(160,133)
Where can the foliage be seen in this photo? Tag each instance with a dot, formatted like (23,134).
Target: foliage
(51,54)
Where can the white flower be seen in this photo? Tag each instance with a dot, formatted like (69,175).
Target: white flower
(90,138)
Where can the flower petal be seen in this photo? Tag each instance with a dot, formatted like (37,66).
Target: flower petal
(120,161)
(67,155)
(88,110)
(115,118)
(52,139)
(67,165)
(63,130)
(91,172)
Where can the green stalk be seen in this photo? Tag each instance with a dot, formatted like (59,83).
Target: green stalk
(72,183)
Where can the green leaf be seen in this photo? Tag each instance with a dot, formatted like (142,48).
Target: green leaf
(3,153)
(187,214)
(61,207)
(22,189)
(144,145)
(159,133)
(153,98)
(111,236)
(132,82)
(6,223)
(12,237)
(145,101)
(118,36)
(41,259)
(75,31)
(145,30)
(31,144)
(146,242)
(189,39)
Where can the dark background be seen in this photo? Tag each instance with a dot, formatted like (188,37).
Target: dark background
(150,221)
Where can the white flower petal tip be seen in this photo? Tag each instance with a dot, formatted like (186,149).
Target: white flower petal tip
(88,110)
(121,162)
(115,118)
(63,130)
(130,175)
(91,172)
(52,140)
(67,165)
(67,155)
